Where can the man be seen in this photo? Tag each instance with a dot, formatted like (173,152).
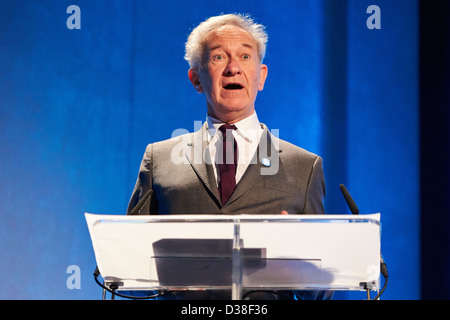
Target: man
(200,172)
(225,54)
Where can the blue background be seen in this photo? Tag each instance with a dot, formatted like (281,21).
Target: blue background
(78,107)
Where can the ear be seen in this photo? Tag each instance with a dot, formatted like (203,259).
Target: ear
(262,76)
(195,79)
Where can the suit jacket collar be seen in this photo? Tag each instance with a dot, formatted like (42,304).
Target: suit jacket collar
(266,155)
(198,156)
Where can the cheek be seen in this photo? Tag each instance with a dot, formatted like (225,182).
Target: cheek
(210,82)
(206,84)
(252,76)
(255,83)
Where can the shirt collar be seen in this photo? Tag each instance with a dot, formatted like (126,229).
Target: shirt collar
(249,128)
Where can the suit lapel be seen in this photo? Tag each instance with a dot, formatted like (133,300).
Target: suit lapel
(255,171)
(198,156)
(197,153)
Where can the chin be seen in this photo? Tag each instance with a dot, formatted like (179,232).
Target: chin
(236,105)
(234,109)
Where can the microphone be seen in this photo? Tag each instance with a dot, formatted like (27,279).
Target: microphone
(383,267)
(141,204)
(351,204)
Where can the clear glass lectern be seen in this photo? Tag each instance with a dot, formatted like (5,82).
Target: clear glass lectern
(255,252)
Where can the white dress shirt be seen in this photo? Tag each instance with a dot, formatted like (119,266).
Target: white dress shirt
(247,138)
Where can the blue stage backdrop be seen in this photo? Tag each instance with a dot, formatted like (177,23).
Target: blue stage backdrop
(78,107)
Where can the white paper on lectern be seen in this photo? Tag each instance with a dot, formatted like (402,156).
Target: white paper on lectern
(345,247)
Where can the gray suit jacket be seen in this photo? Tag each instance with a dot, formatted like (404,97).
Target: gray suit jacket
(281,176)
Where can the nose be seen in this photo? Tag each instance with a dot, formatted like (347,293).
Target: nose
(233,67)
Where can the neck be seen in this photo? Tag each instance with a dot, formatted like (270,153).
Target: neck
(231,117)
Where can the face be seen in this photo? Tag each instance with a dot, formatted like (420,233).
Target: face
(231,74)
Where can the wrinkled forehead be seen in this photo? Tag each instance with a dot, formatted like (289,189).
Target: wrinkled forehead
(226,34)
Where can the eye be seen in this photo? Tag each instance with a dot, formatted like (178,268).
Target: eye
(246,57)
(218,57)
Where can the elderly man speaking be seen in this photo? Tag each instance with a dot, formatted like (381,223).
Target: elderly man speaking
(233,164)
(251,171)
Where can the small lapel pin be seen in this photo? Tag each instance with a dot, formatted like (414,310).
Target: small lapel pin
(265,162)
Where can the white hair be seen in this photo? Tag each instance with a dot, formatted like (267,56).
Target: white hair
(195,44)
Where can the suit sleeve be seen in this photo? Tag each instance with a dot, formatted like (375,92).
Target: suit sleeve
(143,183)
(315,194)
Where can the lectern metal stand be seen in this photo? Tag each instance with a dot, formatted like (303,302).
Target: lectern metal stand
(236,287)
(251,252)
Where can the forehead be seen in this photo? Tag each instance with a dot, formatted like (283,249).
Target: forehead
(229,34)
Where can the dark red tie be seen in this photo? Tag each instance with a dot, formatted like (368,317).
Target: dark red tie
(228,165)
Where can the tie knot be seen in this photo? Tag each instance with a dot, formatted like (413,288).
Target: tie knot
(223,128)
(226,129)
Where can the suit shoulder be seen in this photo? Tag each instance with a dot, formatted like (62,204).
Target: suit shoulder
(290,149)
(169,143)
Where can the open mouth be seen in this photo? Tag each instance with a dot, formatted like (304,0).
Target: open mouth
(233,86)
